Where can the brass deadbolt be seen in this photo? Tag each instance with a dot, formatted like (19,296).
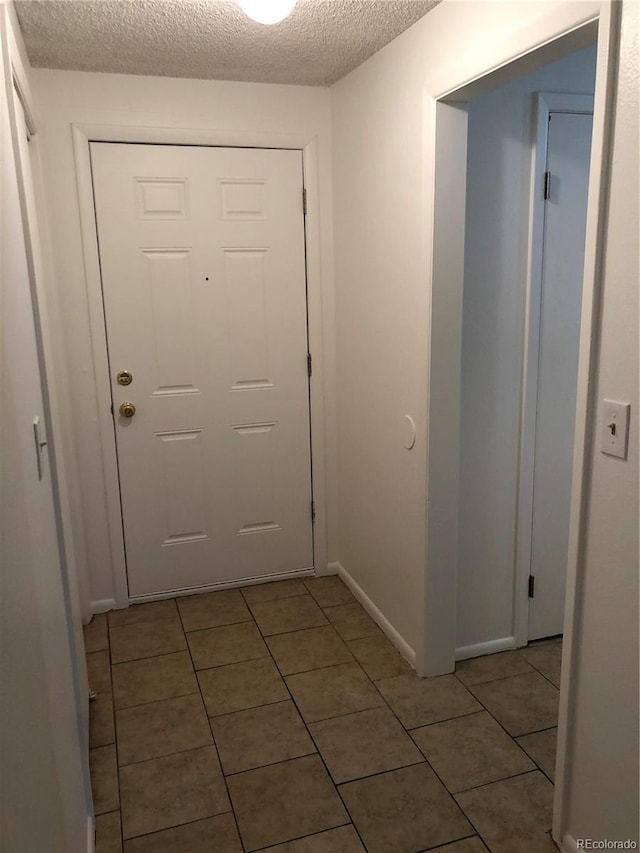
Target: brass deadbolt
(125,377)
(127,409)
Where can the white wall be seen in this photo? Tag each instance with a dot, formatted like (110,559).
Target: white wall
(602,772)
(74,97)
(382,345)
(381,115)
(45,800)
(500,137)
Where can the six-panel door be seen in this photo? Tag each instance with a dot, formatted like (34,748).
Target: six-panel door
(203,274)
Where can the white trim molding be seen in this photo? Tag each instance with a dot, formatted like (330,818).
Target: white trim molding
(91,834)
(546,103)
(490,647)
(396,638)
(569,844)
(83,135)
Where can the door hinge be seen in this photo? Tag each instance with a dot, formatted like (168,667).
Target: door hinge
(304,201)
(309,365)
(532,583)
(547,186)
(313,512)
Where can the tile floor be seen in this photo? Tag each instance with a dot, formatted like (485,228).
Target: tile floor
(280,718)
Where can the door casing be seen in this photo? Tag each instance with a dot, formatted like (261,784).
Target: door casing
(83,135)
(546,103)
(444,132)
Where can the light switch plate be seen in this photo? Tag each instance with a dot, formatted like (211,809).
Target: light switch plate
(614,428)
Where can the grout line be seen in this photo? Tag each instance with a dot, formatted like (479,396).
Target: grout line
(496,781)
(385,704)
(149,657)
(513,737)
(230,663)
(215,746)
(214,627)
(176,826)
(457,841)
(303,837)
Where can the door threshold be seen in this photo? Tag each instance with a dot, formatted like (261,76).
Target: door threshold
(215,587)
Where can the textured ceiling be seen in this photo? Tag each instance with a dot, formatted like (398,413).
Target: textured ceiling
(320,42)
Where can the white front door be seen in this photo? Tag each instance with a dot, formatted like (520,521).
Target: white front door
(565,212)
(202,257)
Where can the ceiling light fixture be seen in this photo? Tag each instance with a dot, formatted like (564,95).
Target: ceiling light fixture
(267,11)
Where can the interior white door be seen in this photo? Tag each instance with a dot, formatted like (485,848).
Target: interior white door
(202,258)
(568,153)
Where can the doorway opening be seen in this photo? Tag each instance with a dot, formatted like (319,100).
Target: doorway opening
(528,150)
(446,113)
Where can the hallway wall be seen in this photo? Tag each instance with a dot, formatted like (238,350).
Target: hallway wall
(381,218)
(501,134)
(382,329)
(66,97)
(45,799)
(602,772)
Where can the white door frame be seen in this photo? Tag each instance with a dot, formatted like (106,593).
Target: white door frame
(562,30)
(546,103)
(18,92)
(83,135)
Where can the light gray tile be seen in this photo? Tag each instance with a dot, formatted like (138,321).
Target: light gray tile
(330,692)
(491,667)
(329,590)
(217,834)
(542,746)
(225,645)
(514,814)
(273,590)
(301,651)
(379,657)
(468,845)
(213,609)
(101,725)
(285,801)
(523,704)
(108,833)
(101,722)
(104,779)
(148,612)
(421,701)
(241,685)
(146,639)
(260,736)
(471,751)
(351,621)
(151,679)
(95,634)
(364,743)
(404,810)
(99,671)
(287,614)
(344,839)
(547,659)
(171,790)
(161,728)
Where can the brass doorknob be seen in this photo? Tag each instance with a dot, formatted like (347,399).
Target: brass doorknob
(127,409)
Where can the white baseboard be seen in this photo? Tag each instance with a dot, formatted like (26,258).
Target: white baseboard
(489,648)
(102,605)
(569,844)
(329,569)
(91,834)
(397,639)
